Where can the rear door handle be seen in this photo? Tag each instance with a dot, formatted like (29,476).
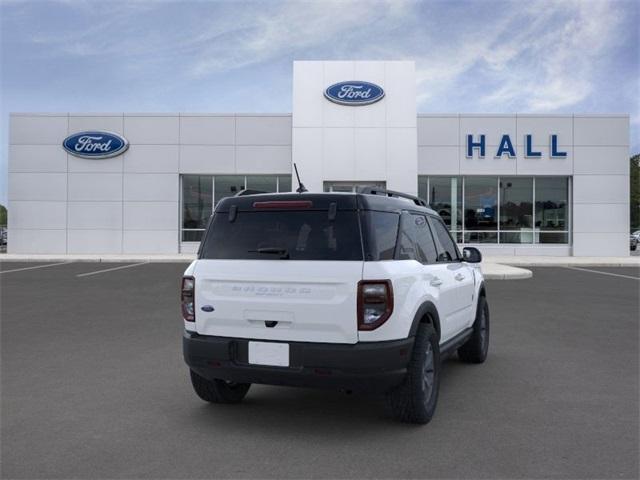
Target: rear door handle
(459,277)
(436,282)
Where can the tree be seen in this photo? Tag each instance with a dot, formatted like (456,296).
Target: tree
(634,204)
(3,215)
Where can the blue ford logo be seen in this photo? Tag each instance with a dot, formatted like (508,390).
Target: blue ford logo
(354,93)
(95,144)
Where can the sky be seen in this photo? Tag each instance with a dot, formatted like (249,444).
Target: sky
(230,56)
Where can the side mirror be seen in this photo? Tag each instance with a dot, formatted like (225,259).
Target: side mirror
(471,255)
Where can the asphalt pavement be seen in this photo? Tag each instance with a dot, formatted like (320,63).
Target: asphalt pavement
(94,386)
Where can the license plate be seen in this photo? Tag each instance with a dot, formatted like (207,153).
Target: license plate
(269,353)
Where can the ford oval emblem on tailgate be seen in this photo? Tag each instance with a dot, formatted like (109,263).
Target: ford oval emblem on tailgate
(207,308)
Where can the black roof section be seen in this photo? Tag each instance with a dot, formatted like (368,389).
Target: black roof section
(322,201)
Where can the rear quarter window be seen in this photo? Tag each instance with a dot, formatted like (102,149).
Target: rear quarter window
(381,234)
(277,235)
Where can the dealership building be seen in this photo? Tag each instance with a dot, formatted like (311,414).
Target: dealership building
(516,184)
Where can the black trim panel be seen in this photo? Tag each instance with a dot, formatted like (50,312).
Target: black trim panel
(425,308)
(451,345)
(364,366)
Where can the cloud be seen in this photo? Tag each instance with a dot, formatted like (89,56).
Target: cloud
(538,57)
(295,28)
(531,56)
(216,37)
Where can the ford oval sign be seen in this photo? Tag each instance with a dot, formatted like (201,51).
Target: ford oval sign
(95,144)
(354,93)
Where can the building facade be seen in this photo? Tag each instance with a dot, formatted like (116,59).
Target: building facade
(510,184)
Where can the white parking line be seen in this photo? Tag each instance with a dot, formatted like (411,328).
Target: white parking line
(604,273)
(33,268)
(110,269)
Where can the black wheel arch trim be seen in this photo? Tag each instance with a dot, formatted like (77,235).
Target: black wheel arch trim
(482,291)
(426,310)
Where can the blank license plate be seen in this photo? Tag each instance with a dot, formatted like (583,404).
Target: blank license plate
(269,353)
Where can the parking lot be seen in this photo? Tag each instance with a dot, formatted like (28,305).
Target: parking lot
(94,386)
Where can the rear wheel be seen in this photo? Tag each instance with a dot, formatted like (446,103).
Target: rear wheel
(218,391)
(414,401)
(476,348)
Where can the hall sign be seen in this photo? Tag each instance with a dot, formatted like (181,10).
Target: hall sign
(506,147)
(354,92)
(95,144)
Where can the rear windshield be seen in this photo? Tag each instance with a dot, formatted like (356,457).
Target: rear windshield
(284,235)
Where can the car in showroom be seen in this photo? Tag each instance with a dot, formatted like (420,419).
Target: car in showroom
(363,291)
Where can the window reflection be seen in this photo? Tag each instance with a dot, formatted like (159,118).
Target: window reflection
(516,209)
(480,203)
(228,186)
(196,205)
(551,203)
(200,194)
(284,183)
(531,209)
(262,183)
(445,197)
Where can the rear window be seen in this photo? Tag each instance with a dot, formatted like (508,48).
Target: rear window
(276,235)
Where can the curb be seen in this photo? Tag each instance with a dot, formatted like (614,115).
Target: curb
(497,271)
(565,264)
(548,261)
(509,276)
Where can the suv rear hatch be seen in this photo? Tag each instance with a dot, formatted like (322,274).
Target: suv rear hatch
(281,267)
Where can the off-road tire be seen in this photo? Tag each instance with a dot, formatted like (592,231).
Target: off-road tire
(218,391)
(476,348)
(414,401)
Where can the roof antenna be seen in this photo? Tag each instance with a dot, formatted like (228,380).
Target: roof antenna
(301,188)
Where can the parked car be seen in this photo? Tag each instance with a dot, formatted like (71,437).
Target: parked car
(352,291)
(633,242)
(637,235)
(3,236)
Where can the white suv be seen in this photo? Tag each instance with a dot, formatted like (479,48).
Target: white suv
(354,291)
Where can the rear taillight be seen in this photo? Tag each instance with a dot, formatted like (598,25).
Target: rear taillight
(187,299)
(375,303)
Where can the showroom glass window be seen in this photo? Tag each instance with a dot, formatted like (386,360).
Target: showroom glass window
(197,205)
(200,194)
(516,210)
(505,210)
(444,195)
(480,209)
(227,186)
(552,200)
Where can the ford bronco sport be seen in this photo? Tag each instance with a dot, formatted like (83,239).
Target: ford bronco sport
(354,291)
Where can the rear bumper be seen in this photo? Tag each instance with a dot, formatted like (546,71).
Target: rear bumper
(374,366)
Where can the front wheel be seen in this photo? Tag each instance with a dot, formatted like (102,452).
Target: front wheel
(476,348)
(414,401)
(218,391)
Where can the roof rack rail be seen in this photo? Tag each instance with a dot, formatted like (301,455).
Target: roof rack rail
(248,191)
(391,193)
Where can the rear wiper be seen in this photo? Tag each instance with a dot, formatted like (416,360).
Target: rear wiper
(283,252)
